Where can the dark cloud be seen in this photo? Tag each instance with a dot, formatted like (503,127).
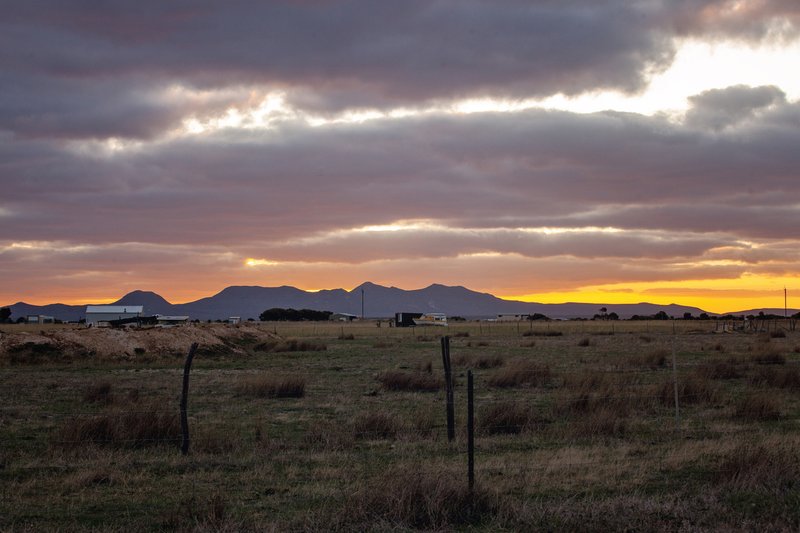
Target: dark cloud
(721,108)
(72,69)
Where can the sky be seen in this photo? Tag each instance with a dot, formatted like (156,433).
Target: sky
(610,151)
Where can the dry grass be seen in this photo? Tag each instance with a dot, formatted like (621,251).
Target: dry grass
(375,425)
(407,498)
(145,426)
(290,345)
(758,406)
(99,392)
(778,377)
(272,386)
(692,390)
(584,342)
(730,369)
(654,359)
(397,380)
(482,362)
(604,421)
(506,417)
(520,372)
(750,466)
(769,357)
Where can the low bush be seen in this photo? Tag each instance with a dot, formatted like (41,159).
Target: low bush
(780,377)
(730,369)
(769,357)
(144,426)
(272,386)
(653,360)
(99,392)
(479,361)
(404,498)
(758,407)
(290,345)
(584,342)
(375,426)
(397,380)
(506,417)
(520,372)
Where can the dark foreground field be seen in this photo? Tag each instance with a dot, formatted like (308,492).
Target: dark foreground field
(323,427)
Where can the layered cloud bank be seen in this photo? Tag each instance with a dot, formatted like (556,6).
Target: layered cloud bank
(188,147)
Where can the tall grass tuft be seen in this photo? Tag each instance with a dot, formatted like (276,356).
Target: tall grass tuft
(520,372)
(99,392)
(272,386)
(409,498)
(758,406)
(506,417)
(145,426)
(375,425)
(396,380)
(290,345)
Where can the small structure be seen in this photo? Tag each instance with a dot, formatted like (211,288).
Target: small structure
(169,321)
(343,317)
(431,319)
(39,319)
(101,315)
(405,320)
(234,320)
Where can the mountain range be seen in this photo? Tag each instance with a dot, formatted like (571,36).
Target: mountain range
(379,301)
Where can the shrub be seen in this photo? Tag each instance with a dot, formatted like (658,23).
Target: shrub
(479,361)
(691,390)
(757,407)
(375,425)
(769,357)
(654,359)
(410,498)
(397,380)
(584,342)
(272,386)
(729,369)
(506,417)
(783,378)
(754,466)
(290,345)
(520,372)
(146,426)
(99,392)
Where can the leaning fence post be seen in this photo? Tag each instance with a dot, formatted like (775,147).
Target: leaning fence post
(184,400)
(448,383)
(470,431)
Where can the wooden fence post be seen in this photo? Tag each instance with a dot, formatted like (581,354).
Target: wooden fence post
(448,383)
(470,431)
(185,400)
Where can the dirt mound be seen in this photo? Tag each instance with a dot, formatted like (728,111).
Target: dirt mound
(67,344)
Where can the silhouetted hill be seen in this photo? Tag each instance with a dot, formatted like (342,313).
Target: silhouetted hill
(379,301)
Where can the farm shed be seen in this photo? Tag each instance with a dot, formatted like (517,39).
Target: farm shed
(100,315)
(172,320)
(343,317)
(405,320)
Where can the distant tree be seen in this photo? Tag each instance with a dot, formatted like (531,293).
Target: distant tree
(612,316)
(703,316)
(5,314)
(661,315)
(538,316)
(687,316)
(278,314)
(20,320)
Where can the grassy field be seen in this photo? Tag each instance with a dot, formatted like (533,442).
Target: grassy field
(343,427)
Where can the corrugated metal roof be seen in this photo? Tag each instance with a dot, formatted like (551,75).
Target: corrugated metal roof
(114,309)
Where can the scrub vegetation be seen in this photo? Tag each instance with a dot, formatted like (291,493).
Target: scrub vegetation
(295,428)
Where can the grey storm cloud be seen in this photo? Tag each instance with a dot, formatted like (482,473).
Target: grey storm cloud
(720,108)
(96,70)
(481,171)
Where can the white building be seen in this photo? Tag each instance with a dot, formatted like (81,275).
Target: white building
(165,321)
(99,315)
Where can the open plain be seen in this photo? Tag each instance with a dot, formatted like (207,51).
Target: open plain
(321,426)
